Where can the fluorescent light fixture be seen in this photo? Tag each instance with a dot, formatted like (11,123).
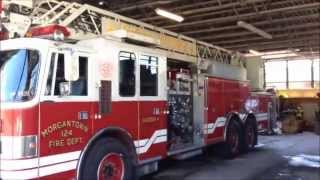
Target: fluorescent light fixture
(254,52)
(101,3)
(278,52)
(277,56)
(272,54)
(169,15)
(254,29)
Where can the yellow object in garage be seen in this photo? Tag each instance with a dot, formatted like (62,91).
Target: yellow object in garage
(291,124)
(298,93)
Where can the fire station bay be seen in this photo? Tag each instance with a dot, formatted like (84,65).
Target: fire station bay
(159,90)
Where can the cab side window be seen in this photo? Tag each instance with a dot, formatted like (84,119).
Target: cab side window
(59,74)
(127,77)
(78,88)
(50,75)
(148,76)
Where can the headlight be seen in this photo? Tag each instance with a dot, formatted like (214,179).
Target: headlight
(18,147)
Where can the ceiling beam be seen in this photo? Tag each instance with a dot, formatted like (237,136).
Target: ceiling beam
(306,42)
(248,39)
(314,17)
(243,16)
(298,49)
(198,4)
(269,30)
(221,11)
(280,48)
(254,29)
(143,5)
(297,45)
(206,9)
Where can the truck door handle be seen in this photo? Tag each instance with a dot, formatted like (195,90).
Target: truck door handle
(156,111)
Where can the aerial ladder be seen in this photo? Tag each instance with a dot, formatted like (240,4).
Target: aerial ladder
(86,21)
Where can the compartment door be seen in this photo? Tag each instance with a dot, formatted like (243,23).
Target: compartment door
(215,109)
(152,107)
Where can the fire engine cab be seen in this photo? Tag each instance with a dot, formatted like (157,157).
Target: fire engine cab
(113,105)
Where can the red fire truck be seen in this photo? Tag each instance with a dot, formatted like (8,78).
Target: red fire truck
(102,108)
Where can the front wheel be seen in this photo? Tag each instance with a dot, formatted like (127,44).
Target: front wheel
(108,160)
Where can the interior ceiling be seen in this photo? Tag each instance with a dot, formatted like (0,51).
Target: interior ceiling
(294,24)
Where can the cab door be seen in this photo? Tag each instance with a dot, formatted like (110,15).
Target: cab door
(152,106)
(65,120)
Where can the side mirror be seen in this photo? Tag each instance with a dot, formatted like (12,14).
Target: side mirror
(65,88)
(71,67)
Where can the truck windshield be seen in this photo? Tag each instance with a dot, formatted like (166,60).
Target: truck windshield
(19,70)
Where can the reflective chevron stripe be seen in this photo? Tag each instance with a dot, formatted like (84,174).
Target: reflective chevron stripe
(159,136)
(262,116)
(210,127)
(48,165)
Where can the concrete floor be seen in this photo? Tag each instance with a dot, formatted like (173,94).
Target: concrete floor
(269,161)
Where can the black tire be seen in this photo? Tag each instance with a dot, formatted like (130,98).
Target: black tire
(250,135)
(93,161)
(232,146)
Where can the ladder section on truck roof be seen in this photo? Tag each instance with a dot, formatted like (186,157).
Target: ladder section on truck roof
(86,21)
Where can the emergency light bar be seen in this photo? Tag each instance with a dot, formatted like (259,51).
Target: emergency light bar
(55,32)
